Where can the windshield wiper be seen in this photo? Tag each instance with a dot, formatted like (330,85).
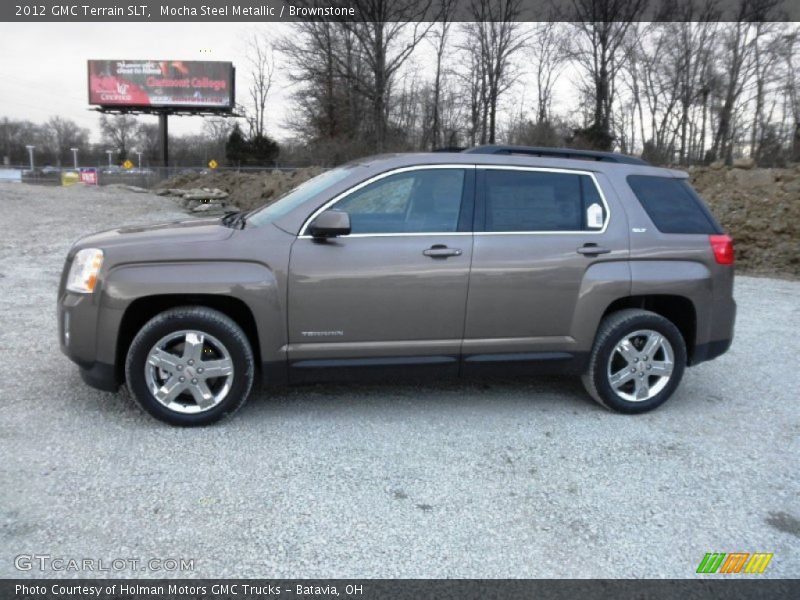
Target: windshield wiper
(234,219)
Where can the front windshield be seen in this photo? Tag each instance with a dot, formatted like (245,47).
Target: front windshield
(294,198)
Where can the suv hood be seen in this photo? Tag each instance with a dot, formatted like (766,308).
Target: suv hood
(176,232)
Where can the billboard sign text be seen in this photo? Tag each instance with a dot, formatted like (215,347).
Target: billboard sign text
(202,85)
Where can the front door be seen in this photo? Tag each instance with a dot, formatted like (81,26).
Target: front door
(393,292)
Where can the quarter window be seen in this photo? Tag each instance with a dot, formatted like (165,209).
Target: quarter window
(541,201)
(420,201)
(672,205)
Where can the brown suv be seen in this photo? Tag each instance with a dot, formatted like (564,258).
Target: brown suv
(522,259)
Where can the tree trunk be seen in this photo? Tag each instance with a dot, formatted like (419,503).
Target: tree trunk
(492,120)
(436,93)
(796,143)
(379,98)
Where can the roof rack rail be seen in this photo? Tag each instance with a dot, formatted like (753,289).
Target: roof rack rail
(558,153)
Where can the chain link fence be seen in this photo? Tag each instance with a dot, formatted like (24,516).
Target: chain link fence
(146,177)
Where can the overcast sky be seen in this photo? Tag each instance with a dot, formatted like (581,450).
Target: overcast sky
(43,65)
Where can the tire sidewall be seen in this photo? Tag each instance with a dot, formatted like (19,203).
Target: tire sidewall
(655,323)
(163,325)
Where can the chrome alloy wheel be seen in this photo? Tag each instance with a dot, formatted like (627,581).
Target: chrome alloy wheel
(189,371)
(640,366)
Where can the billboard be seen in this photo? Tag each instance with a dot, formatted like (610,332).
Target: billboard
(199,85)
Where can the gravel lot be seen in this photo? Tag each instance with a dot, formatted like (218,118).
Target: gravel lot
(498,479)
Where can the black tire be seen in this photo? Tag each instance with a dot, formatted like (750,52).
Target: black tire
(613,330)
(210,322)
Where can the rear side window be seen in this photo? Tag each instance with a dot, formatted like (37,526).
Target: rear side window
(541,201)
(672,205)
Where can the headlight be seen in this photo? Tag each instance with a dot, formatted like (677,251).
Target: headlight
(83,273)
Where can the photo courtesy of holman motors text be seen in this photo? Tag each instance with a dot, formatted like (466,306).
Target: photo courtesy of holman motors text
(184,589)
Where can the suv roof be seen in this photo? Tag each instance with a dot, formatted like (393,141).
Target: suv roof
(613,157)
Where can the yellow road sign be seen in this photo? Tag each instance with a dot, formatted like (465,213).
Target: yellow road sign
(127,164)
(212,164)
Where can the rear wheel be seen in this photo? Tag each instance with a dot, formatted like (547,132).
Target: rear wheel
(637,361)
(190,366)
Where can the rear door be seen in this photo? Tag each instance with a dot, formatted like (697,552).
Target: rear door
(538,231)
(393,292)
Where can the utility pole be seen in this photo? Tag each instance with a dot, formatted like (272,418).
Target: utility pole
(75,157)
(30,154)
(163,134)
(109,152)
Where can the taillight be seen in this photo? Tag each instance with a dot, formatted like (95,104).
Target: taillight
(722,245)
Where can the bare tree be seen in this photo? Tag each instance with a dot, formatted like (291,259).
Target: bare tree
(14,136)
(62,134)
(495,36)
(438,38)
(739,39)
(661,87)
(766,72)
(309,52)
(216,132)
(473,85)
(261,62)
(653,76)
(148,142)
(601,27)
(792,89)
(549,51)
(325,69)
(119,131)
(693,45)
(387,34)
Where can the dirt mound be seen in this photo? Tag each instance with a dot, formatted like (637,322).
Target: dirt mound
(760,208)
(245,190)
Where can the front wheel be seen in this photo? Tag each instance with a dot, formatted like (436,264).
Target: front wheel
(637,361)
(190,366)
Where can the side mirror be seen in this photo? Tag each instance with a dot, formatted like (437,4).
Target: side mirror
(330,223)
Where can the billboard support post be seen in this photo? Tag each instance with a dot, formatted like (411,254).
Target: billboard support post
(163,134)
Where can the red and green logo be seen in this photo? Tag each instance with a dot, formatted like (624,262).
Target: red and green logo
(734,562)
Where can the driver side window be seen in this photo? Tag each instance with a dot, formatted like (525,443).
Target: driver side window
(421,201)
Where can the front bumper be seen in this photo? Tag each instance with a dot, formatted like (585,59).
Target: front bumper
(77,332)
(101,376)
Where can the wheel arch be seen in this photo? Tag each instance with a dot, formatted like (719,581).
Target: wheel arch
(144,308)
(680,310)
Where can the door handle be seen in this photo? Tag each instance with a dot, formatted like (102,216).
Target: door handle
(441,251)
(592,250)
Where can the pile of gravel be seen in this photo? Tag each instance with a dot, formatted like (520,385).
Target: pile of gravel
(760,208)
(209,201)
(244,190)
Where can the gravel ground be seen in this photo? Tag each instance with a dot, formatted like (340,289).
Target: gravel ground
(498,479)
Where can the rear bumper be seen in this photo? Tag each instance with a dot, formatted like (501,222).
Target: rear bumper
(720,331)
